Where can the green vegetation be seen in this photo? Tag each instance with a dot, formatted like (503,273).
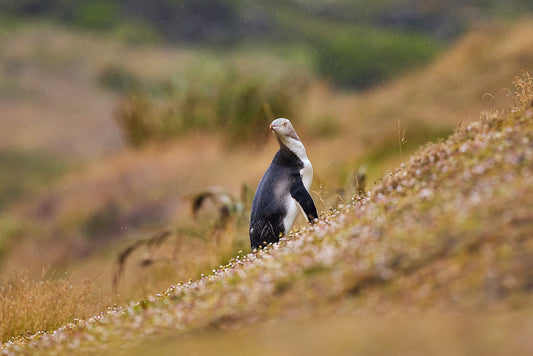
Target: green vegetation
(362,57)
(210,97)
(96,14)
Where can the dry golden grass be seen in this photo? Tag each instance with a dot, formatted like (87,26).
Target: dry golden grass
(28,306)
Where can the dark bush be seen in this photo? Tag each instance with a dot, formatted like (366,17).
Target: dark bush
(363,58)
(97,14)
(119,79)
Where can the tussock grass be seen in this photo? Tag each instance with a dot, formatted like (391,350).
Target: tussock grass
(150,262)
(521,91)
(212,97)
(148,265)
(28,306)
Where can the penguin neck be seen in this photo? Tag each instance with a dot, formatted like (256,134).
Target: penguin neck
(293,146)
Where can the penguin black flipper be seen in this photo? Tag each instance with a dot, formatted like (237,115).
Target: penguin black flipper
(302,196)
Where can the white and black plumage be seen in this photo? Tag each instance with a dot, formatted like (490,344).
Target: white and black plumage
(283,190)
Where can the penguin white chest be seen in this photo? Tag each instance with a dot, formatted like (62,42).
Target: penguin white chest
(293,208)
(292,213)
(307,174)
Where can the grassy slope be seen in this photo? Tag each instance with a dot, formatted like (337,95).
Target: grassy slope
(112,194)
(450,229)
(133,183)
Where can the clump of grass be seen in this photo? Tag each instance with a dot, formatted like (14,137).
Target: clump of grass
(215,98)
(28,306)
(154,241)
(521,91)
(184,252)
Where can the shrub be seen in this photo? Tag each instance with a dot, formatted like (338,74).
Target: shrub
(362,58)
(97,14)
(213,98)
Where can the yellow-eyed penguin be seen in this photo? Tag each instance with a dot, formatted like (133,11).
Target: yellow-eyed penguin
(283,190)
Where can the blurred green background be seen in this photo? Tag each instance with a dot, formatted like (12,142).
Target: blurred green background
(352,43)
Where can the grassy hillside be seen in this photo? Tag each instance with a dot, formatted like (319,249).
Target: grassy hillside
(448,230)
(80,223)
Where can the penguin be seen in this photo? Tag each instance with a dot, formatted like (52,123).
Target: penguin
(283,190)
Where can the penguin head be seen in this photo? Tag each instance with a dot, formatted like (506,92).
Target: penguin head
(283,130)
